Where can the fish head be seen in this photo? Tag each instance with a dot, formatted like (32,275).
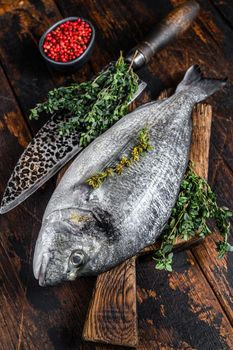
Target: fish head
(68,246)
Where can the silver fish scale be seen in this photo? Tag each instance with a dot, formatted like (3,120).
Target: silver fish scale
(140,200)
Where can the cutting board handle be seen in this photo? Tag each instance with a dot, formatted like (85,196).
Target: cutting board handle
(175,24)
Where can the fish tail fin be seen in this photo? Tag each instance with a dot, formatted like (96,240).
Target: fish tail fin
(201,87)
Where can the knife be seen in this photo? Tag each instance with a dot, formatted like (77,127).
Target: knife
(49,151)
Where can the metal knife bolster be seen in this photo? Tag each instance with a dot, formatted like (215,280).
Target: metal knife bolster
(175,24)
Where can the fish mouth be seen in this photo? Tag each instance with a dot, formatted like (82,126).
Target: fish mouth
(40,263)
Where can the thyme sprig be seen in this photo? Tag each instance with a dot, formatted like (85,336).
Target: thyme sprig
(143,146)
(94,105)
(195,205)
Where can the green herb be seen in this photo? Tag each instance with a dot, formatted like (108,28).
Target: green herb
(94,105)
(195,205)
(143,146)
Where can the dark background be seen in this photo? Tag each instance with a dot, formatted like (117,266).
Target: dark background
(190,308)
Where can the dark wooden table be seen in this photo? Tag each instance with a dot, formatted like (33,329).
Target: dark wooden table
(190,308)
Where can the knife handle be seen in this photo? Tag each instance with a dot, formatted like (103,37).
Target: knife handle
(171,27)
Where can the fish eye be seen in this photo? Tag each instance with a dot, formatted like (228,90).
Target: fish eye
(77,258)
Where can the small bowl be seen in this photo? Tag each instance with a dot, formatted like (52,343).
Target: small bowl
(76,63)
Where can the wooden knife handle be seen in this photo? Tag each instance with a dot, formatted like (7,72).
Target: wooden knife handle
(175,24)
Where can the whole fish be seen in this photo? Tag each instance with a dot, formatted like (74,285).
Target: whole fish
(86,231)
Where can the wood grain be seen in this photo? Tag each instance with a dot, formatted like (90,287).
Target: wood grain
(199,154)
(182,312)
(21,26)
(112,316)
(18,229)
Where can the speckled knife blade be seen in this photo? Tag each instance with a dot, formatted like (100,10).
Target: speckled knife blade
(45,155)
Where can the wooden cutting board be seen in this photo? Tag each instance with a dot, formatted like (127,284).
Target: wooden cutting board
(112,314)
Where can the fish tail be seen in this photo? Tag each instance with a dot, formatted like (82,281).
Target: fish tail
(201,87)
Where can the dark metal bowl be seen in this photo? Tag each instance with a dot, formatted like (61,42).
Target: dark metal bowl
(76,63)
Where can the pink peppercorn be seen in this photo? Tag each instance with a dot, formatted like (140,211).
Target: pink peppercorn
(68,41)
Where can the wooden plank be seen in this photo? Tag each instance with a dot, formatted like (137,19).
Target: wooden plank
(225,10)
(199,155)
(219,272)
(18,228)
(112,316)
(178,310)
(21,26)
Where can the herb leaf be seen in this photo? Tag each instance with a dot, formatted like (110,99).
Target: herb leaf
(196,203)
(95,105)
(143,146)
